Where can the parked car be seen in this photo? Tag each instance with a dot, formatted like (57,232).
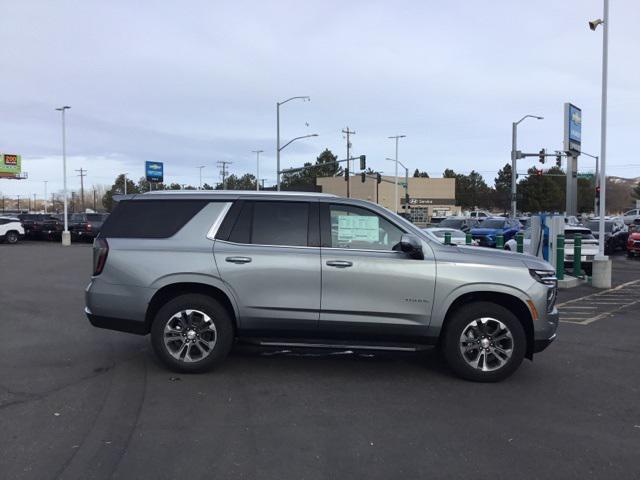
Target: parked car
(200,270)
(86,225)
(479,215)
(589,246)
(633,243)
(459,223)
(33,223)
(630,216)
(487,232)
(615,234)
(11,230)
(458,237)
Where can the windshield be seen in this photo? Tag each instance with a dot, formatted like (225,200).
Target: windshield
(595,227)
(454,233)
(493,223)
(94,217)
(452,223)
(585,234)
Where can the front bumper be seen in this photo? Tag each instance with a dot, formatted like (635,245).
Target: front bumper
(545,330)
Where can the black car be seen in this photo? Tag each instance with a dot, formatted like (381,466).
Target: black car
(615,234)
(86,225)
(33,223)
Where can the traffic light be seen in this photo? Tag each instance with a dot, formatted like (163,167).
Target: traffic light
(363,162)
(558,159)
(346,174)
(363,177)
(378,178)
(597,196)
(542,155)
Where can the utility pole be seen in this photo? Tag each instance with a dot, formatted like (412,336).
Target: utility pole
(94,200)
(348,134)
(222,164)
(34,202)
(257,152)
(18,203)
(83,173)
(516,155)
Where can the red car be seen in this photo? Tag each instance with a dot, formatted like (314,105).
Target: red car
(633,243)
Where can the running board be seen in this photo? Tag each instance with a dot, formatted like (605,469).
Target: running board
(333,345)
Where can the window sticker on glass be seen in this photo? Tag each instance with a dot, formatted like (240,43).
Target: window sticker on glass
(358,228)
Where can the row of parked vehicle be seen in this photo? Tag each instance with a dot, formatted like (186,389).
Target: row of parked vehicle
(485,231)
(46,226)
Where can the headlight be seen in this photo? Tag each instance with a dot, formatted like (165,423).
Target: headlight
(548,278)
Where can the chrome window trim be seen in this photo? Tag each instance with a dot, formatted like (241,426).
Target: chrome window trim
(211,235)
(395,252)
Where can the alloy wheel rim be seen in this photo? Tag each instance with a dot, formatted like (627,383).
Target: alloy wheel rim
(486,344)
(190,335)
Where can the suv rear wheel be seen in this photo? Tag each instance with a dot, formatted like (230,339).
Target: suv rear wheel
(192,333)
(484,342)
(11,237)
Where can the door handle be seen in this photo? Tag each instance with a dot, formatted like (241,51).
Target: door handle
(238,259)
(339,263)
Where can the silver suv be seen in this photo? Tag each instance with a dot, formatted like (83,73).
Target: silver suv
(201,270)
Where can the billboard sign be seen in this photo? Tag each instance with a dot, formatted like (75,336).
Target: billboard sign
(572,128)
(10,165)
(154,171)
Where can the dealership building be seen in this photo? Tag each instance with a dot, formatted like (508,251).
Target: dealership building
(428,197)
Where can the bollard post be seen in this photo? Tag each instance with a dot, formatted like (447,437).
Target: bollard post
(560,257)
(500,242)
(468,238)
(520,242)
(577,254)
(447,238)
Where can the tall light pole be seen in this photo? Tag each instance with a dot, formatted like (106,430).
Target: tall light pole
(304,98)
(44,201)
(514,158)
(601,264)
(200,171)
(597,180)
(66,237)
(258,152)
(396,137)
(603,119)
(406,178)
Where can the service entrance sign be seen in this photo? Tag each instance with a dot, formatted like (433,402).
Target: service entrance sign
(10,165)
(154,171)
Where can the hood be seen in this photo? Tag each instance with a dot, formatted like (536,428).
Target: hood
(486,231)
(491,256)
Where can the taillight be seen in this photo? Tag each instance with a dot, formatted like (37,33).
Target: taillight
(88,226)
(100,252)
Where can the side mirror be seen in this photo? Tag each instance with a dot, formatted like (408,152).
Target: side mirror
(411,245)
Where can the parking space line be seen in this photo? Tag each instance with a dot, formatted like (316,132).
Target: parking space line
(599,305)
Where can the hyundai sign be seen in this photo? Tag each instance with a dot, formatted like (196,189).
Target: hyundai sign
(154,172)
(572,128)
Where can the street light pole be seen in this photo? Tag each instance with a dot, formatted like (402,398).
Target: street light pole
(406,179)
(597,179)
(66,237)
(514,158)
(278,148)
(200,184)
(258,152)
(396,137)
(44,201)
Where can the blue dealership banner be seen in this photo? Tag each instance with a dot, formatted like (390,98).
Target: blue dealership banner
(572,128)
(154,171)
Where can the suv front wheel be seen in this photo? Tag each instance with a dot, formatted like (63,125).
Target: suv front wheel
(192,333)
(484,342)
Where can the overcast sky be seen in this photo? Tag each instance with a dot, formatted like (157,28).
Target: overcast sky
(192,83)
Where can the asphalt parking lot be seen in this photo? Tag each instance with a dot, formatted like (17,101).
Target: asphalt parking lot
(81,403)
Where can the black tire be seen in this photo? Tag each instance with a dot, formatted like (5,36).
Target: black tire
(220,319)
(461,320)
(11,237)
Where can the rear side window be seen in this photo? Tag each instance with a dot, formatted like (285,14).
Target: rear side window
(150,218)
(272,223)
